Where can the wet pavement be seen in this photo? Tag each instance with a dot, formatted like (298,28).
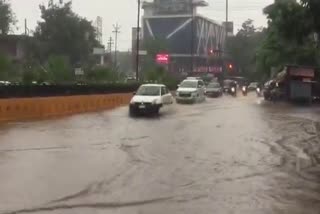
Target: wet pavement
(227,155)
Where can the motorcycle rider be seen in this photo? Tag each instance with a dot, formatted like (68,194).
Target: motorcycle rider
(259,89)
(233,88)
(245,89)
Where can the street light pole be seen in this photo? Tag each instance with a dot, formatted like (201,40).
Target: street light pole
(192,36)
(227,11)
(138,41)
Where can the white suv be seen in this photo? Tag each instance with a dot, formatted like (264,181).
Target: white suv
(191,90)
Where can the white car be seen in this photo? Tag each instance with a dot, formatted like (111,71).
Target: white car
(150,98)
(191,90)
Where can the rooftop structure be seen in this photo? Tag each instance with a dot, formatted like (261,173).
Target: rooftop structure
(167,7)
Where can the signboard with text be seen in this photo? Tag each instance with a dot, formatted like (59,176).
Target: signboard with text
(162,59)
(210,69)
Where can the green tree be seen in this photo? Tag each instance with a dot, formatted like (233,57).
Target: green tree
(289,37)
(62,32)
(5,65)
(290,19)
(149,66)
(156,46)
(125,62)
(103,75)
(7,17)
(312,8)
(243,47)
(34,72)
(59,69)
(248,29)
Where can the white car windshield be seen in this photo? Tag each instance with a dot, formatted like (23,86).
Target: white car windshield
(253,84)
(148,91)
(189,84)
(213,85)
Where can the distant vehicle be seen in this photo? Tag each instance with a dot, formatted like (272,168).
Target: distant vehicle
(194,78)
(191,90)
(259,92)
(253,86)
(244,90)
(230,87)
(226,86)
(214,89)
(150,98)
(233,91)
(268,90)
(5,83)
(45,83)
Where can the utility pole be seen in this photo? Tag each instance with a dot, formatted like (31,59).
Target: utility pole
(110,44)
(116,31)
(138,41)
(227,11)
(26,30)
(227,20)
(226,29)
(192,35)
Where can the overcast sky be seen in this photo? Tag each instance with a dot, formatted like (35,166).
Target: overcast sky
(124,12)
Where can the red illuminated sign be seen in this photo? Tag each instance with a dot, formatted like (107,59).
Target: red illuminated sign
(162,59)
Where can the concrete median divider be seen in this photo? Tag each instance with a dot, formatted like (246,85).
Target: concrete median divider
(22,109)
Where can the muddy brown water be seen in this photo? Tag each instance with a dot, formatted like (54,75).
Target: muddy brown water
(227,155)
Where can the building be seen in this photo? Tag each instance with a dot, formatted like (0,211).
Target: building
(191,38)
(14,46)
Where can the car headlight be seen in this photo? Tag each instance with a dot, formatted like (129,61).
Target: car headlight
(132,102)
(155,102)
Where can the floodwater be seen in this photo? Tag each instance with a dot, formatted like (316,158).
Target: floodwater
(227,155)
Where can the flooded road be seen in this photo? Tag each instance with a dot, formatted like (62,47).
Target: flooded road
(228,155)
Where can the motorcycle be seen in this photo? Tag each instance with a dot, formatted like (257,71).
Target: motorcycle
(259,92)
(233,91)
(244,91)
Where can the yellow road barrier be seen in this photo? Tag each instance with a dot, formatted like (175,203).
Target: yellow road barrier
(20,109)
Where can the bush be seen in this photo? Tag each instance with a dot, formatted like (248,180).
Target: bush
(102,75)
(160,75)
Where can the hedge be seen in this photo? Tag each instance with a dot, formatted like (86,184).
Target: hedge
(14,91)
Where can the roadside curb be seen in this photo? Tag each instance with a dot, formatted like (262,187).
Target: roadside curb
(22,109)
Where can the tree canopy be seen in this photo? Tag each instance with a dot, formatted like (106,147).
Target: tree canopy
(62,32)
(290,35)
(242,49)
(7,17)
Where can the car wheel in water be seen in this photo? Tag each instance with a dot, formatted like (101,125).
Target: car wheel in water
(157,111)
(132,113)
